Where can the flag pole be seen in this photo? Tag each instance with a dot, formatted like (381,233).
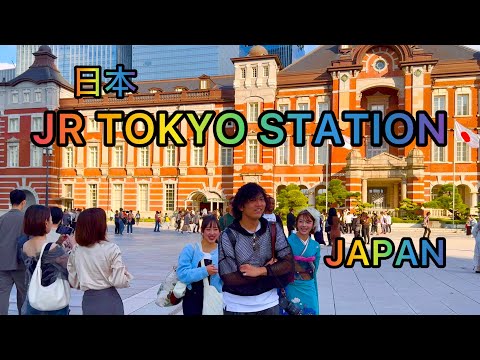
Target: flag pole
(326,177)
(454,158)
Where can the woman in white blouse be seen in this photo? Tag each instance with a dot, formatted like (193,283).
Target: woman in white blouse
(95,266)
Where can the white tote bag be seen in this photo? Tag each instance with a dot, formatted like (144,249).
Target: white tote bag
(212,299)
(47,298)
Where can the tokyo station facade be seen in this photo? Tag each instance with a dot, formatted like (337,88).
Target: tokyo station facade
(332,77)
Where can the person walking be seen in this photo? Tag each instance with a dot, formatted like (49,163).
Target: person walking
(191,271)
(130,222)
(250,272)
(335,232)
(96,267)
(290,221)
(476,251)
(426,226)
(157,222)
(137,217)
(227,218)
(12,270)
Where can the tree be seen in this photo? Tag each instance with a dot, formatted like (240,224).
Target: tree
(409,208)
(444,200)
(337,194)
(291,197)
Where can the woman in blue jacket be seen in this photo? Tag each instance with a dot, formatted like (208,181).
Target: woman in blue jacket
(191,271)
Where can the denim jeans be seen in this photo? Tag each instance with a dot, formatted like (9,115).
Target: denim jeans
(31,311)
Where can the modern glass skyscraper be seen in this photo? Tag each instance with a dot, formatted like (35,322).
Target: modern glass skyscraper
(69,56)
(158,62)
(287,53)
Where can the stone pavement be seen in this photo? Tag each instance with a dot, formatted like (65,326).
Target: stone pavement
(454,289)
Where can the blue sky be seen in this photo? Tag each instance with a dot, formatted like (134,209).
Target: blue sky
(8,54)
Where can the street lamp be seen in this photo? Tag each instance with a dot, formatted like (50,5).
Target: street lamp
(47,152)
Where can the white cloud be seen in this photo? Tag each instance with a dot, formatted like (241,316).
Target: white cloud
(4,66)
(475,47)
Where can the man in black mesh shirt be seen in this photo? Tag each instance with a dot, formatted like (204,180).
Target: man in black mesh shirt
(250,272)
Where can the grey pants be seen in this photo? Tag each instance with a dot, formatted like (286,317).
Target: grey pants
(102,302)
(7,279)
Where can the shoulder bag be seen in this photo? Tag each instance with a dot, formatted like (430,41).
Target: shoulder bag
(212,299)
(55,296)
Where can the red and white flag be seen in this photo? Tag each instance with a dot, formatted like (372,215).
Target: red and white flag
(347,145)
(466,135)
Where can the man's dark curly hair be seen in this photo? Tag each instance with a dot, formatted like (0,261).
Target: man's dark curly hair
(245,193)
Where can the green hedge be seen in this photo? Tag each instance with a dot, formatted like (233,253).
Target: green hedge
(399,220)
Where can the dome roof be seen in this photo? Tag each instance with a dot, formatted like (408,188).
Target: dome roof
(258,50)
(415,152)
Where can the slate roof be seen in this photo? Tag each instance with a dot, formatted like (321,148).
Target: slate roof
(43,70)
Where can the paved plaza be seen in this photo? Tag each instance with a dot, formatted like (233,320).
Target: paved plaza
(454,289)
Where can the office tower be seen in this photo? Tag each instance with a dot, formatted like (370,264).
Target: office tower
(287,53)
(7,74)
(69,56)
(158,62)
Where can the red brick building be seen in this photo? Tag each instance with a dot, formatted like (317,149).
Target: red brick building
(332,77)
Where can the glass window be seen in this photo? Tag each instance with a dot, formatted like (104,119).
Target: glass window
(302,106)
(93,156)
(254,71)
(26,96)
(302,155)
(171,156)
(244,73)
(322,154)
(438,103)
(438,153)
(282,153)
(226,154)
(322,106)
(37,123)
(38,96)
(118,156)
(462,104)
(197,156)
(12,150)
(169,197)
(117,196)
(93,126)
(266,71)
(36,154)
(68,161)
(462,151)
(143,197)
(15,97)
(144,157)
(68,190)
(13,125)
(252,151)
(253,109)
(92,195)
(118,126)
(282,108)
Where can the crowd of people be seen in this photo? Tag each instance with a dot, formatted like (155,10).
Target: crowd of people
(84,259)
(244,254)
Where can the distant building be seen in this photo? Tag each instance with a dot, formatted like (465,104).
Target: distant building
(160,62)
(287,53)
(7,74)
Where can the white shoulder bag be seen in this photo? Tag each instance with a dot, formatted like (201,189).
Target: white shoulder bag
(47,298)
(212,299)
